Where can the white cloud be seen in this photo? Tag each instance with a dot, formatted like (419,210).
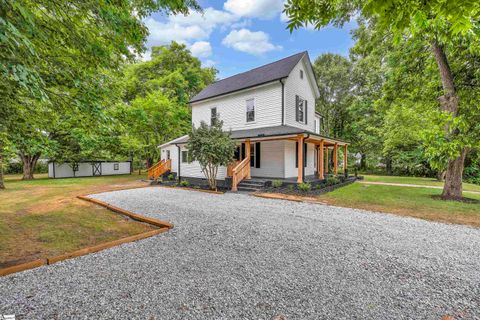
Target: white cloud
(164,33)
(201,49)
(186,28)
(262,9)
(208,63)
(251,42)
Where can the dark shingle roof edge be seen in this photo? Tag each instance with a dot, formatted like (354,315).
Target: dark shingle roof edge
(258,76)
(262,133)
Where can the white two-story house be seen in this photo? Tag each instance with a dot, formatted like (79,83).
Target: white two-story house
(270,111)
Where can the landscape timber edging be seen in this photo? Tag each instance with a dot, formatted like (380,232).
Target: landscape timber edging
(288,197)
(163,227)
(188,189)
(23,267)
(152,221)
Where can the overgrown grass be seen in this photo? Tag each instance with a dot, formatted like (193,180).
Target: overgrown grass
(416,181)
(43,217)
(408,201)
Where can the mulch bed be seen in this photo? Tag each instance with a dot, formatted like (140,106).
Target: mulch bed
(317,189)
(175,184)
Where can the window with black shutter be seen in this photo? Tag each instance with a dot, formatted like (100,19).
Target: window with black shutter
(250,110)
(301,109)
(213,116)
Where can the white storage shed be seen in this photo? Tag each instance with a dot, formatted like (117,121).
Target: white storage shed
(88,169)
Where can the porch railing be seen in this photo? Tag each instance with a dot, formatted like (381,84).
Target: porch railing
(159,168)
(230,168)
(240,172)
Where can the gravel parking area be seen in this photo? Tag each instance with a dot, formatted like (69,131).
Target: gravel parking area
(235,256)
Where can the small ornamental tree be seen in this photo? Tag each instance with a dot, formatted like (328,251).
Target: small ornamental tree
(211,147)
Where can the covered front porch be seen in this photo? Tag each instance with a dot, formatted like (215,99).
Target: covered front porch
(277,157)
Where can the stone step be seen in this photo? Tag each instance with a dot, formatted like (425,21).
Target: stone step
(247,189)
(251,184)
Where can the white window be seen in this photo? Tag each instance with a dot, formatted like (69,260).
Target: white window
(301,74)
(250,110)
(115,166)
(168,154)
(213,116)
(186,156)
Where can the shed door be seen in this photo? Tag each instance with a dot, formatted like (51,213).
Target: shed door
(97,168)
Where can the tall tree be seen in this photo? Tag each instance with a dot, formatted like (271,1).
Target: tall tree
(156,95)
(333,73)
(53,50)
(442,24)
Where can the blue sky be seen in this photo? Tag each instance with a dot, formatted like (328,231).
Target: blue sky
(238,35)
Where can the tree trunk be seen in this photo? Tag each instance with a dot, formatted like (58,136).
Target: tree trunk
(441,175)
(452,188)
(2,184)
(388,165)
(29,163)
(363,162)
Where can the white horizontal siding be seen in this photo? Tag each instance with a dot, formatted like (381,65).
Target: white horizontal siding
(294,85)
(272,164)
(65,170)
(108,168)
(290,169)
(232,108)
(173,155)
(193,169)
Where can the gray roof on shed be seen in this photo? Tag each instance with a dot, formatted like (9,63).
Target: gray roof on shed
(264,74)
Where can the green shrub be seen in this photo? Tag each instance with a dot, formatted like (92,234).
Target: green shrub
(184,183)
(332,181)
(170,177)
(291,187)
(277,183)
(304,186)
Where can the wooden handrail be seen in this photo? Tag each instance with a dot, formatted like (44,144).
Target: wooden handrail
(231,166)
(240,172)
(159,168)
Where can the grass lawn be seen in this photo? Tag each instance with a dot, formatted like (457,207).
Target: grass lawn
(408,201)
(43,217)
(417,181)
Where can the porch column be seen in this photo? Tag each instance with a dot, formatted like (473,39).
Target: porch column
(320,163)
(326,160)
(335,159)
(247,151)
(345,159)
(300,158)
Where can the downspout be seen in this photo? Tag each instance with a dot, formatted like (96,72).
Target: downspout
(303,157)
(283,101)
(178,158)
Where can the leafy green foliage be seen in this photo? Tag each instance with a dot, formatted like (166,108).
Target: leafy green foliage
(184,183)
(277,183)
(57,63)
(156,94)
(304,186)
(430,58)
(211,147)
(333,73)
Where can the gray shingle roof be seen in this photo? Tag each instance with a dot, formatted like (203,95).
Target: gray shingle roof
(264,74)
(260,133)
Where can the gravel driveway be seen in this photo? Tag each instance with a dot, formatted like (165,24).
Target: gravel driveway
(235,256)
